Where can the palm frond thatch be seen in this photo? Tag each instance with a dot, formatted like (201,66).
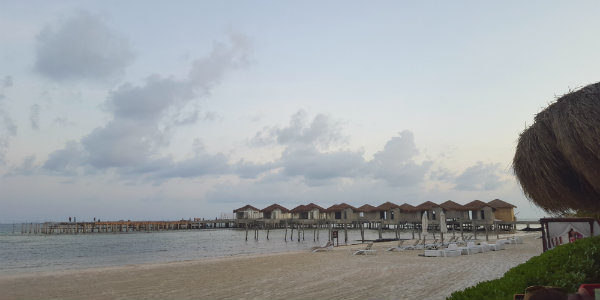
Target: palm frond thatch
(557,160)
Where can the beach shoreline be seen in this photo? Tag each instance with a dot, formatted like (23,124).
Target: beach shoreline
(333,274)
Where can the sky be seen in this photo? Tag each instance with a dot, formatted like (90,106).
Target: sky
(161,110)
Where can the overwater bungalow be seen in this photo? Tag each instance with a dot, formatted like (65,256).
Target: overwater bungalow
(309,211)
(388,211)
(480,212)
(342,212)
(275,212)
(433,210)
(247,212)
(408,213)
(455,211)
(367,212)
(504,211)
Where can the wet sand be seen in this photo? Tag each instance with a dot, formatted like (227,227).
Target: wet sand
(335,274)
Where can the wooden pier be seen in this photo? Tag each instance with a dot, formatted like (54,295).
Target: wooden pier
(300,226)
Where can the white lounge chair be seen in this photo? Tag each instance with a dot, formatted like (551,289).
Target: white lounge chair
(367,250)
(434,253)
(326,247)
(452,250)
(398,248)
(485,247)
(499,245)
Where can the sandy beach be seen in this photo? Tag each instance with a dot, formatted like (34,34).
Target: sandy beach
(335,274)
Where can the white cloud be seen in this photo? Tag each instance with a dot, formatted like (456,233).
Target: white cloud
(82,47)
(481,177)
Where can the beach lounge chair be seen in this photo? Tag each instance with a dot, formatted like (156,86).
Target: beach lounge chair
(411,247)
(326,247)
(485,247)
(452,250)
(367,250)
(399,247)
(431,246)
(433,252)
(499,245)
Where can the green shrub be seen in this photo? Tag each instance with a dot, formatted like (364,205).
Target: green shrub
(565,266)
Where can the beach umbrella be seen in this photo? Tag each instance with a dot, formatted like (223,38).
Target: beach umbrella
(424,224)
(557,159)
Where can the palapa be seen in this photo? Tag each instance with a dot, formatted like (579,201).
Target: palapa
(557,160)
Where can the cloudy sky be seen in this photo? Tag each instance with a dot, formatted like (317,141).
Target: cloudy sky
(168,110)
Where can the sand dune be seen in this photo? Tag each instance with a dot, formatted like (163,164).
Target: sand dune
(335,274)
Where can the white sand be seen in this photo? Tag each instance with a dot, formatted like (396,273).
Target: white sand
(335,274)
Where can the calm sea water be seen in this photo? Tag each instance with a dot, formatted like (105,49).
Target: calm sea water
(33,253)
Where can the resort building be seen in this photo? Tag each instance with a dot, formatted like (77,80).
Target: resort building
(409,213)
(342,211)
(275,212)
(504,211)
(433,210)
(247,212)
(388,210)
(367,212)
(455,211)
(480,211)
(310,211)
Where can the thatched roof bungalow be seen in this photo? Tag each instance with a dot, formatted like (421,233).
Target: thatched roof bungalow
(275,211)
(342,211)
(367,212)
(504,211)
(433,210)
(408,213)
(247,212)
(388,210)
(557,160)
(480,211)
(309,211)
(455,211)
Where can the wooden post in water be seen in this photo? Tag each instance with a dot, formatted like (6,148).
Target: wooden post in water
(292,233)
(486,232)
(329,228)
(315,234)
(413,230)
(318,230)
(380,233)
(268,232)
(345,234)
(286,226)
(362,232)
(246,232)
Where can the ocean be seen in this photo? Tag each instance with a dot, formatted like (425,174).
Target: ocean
(35,253)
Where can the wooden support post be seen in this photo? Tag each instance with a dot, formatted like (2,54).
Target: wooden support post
(475,230)
(292,233)
(362,232)
(413,230)
(345,234)
(246,232)
(486,232)
(286,226)
(329,228)
(379,229)
(268,233)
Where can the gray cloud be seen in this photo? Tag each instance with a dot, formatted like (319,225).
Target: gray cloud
(143,117)
(481,177)
(7,81)
(322,131)
(312,165)
(395,164)
(81,47)
(34,116)
(8,129)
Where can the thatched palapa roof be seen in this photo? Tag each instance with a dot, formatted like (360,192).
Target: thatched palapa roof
(557,160)
(247,207)
(272,207)
(497,203)
(366,208)
(407,207)
(475,204)
(453,206)
(387,206)
(340,207)
(427,205)
(307,207)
